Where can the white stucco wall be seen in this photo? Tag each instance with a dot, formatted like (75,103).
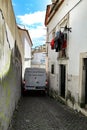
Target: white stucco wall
(10,64)
(10,78)
(78,36)
(27,53)
(4,48)
(26,49)
(77,45)
(63,10)
(77,39)
(39,59)
(52,59)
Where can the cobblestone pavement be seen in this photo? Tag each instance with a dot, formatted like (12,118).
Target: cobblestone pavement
(44,113)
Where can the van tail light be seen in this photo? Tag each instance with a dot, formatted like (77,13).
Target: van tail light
(46,82)
(25,89)
(23,82)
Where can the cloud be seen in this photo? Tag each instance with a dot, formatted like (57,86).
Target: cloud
(37,32)
(38,35)
(32,18)
(35,23)
(13,4)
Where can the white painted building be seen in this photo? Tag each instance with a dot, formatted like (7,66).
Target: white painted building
(39,60)
(39,57)
(67,67)
(11,56)
(27,44)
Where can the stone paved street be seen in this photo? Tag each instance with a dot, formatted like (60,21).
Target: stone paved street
(44,113)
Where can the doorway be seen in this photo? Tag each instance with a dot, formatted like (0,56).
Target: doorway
(85,79)
(62,80)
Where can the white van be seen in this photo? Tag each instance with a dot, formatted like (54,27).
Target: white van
(35,79)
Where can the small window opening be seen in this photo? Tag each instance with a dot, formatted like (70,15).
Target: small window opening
(52,69)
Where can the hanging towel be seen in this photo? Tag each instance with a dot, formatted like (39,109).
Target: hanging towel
(52,44)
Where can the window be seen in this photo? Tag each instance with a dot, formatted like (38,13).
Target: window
(52,69)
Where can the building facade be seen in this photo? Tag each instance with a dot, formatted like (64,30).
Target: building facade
(11,62)
(39,57)
(27,45)
(67,51)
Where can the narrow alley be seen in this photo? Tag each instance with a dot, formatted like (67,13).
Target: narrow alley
(50,35)
(44,113)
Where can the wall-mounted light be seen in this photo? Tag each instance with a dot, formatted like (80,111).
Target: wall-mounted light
(67,28)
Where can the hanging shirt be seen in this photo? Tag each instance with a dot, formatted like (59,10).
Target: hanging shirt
(58,44)
(64,45)
(52,44)
(58,41)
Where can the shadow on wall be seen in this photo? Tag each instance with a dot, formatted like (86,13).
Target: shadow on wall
(10,91)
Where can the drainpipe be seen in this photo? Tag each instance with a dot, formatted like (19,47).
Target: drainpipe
(74,6)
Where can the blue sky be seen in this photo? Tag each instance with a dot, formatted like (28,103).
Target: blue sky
(31,14)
